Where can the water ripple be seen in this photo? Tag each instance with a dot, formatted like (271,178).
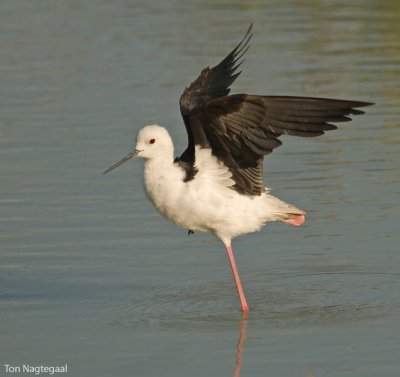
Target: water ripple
(328,297)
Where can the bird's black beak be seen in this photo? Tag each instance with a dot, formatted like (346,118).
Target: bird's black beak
(120,162)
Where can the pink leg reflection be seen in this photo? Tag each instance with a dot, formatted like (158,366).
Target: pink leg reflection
(240,343)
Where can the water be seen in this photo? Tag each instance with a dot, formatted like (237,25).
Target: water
(91,276)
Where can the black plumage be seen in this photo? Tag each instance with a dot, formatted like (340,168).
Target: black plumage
(241,129)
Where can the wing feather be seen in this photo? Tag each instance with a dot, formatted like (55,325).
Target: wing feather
(215,82)
(241,129)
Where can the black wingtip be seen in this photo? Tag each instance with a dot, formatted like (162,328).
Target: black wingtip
(246,39)
(250,28)
(356,104)
(362,104)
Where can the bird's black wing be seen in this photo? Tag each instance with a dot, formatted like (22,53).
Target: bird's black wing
(240,129)
(214,82)
(211,83)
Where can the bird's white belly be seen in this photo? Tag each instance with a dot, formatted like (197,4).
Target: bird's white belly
(204,206)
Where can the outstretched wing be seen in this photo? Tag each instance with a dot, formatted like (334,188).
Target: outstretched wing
(212,83)
(241,129)
(215,82)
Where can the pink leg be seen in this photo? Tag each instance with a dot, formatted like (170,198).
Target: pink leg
(245,307)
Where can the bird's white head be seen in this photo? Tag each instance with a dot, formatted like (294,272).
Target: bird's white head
(152,142)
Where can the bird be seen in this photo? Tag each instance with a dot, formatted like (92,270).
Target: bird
(216,184)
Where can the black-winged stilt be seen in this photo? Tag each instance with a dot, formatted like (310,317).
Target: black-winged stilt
(216,185)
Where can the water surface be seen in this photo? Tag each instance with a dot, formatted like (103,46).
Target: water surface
(91,276)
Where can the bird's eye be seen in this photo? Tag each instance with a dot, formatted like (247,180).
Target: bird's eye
(152,141)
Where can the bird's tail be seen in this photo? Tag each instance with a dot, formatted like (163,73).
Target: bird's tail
(294,219)
(285,212)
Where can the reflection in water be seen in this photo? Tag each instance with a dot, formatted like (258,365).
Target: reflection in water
(240,344)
